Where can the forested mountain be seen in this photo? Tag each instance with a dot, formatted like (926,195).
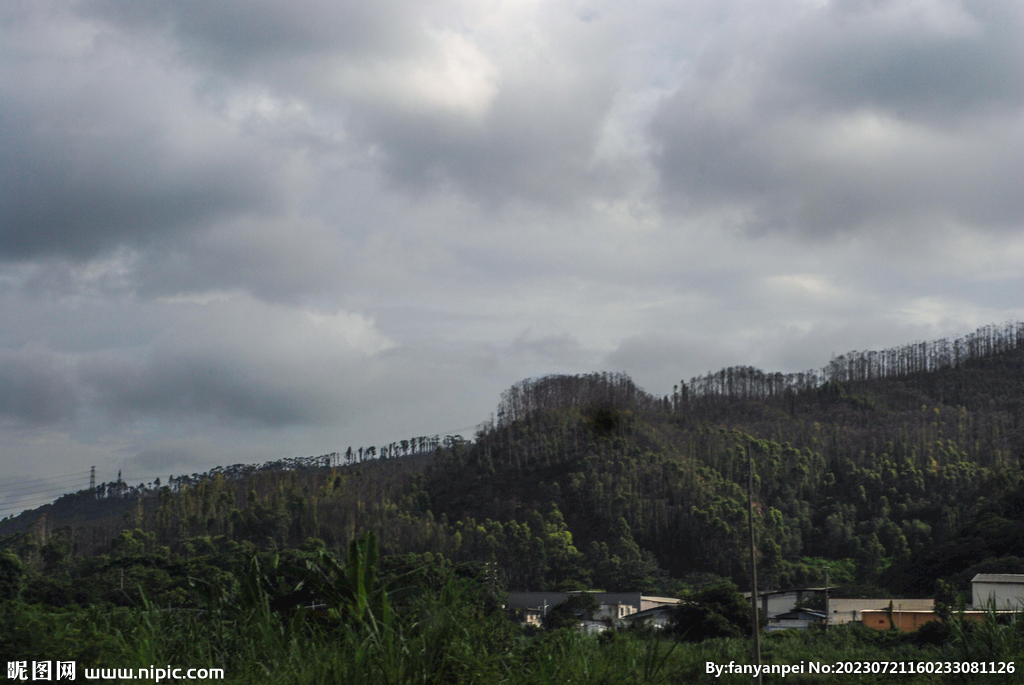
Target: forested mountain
(895,468)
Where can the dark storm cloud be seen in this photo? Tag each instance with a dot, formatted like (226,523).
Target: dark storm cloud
(939,61)
(63,195)
(853,115)
(103,146)
(188,386)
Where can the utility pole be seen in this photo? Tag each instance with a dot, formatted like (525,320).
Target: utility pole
(753,562)
(826,598)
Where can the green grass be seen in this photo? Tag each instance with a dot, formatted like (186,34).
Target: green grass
(448,638)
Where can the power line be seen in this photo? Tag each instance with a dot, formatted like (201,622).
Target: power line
(55,491)
(23,506)
(42,482)
(27,490)
(32,493)
(33,480)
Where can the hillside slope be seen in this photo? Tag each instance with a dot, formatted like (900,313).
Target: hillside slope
(588,481)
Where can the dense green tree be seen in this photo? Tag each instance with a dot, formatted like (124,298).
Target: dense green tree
(12,575)
(716,611)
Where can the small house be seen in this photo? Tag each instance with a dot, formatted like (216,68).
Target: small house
(798,619)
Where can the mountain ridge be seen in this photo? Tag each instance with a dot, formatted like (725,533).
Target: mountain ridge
(589,481)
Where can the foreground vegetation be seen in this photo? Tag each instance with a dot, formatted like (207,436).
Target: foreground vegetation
(421,626)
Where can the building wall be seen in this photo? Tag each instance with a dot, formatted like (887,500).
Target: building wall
(789,624)
(614,611)
(841,610)
(651,602)
(1007,595)
(775,603)
(659,617)
(907,621)
(910,621)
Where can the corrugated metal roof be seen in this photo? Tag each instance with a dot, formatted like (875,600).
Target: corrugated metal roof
(999,578)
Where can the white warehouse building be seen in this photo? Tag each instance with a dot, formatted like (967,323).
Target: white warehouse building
(1007,589)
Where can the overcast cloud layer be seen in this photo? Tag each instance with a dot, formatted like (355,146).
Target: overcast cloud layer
(239,231)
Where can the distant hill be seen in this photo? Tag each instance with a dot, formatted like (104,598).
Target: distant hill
(896,468)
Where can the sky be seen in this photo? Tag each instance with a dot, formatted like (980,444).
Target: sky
(240,231)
